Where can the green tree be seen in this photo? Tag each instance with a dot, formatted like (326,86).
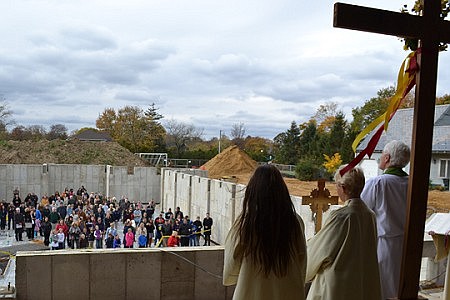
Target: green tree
(372,109)
(308,144)
(286,145)
(338,131)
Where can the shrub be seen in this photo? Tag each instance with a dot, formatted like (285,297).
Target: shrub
(308,169)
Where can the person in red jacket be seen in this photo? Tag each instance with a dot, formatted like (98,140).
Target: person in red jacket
(62,225)
(173,240)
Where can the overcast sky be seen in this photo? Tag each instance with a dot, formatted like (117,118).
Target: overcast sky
(211,63)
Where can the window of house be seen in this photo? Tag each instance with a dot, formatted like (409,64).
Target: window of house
(444,169)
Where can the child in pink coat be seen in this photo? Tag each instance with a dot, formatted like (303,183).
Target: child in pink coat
(129,238)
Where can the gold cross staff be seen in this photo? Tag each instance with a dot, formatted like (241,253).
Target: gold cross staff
(319,202)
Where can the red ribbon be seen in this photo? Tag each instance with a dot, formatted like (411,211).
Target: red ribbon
(413,68)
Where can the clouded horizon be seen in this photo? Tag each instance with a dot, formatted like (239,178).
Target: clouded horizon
(208,63)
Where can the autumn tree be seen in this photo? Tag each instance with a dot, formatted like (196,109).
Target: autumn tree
(133,128)
(332,162)
(18,133)
(258,148)
(32,132)
(106,121)
(444,99)
(325,115)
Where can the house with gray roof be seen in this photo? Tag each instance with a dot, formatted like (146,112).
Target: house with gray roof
(400,128)
(93,135)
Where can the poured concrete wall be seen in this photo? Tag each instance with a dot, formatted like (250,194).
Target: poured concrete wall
(137,183)
(122,274)
(197,195)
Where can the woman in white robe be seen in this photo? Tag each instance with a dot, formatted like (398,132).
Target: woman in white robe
(342,256)
(265,253)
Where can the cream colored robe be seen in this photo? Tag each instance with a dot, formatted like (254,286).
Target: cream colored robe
(342,256)
(252,285)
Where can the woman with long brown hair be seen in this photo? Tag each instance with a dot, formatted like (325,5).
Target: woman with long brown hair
(265,252)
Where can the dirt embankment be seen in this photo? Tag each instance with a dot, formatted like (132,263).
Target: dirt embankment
(67,152)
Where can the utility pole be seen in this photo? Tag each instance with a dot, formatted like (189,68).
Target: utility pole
(220,138)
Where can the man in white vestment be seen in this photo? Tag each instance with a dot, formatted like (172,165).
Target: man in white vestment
(342,256)
(386,196)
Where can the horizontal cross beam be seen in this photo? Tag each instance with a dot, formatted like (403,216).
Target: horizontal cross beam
(385,22)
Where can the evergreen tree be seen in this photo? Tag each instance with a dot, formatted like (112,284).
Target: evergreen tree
(337,134)
(287,145)
(308,140)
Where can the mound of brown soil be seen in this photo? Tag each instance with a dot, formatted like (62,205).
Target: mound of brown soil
(230,162)
(67,152)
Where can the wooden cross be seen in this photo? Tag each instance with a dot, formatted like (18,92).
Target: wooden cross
(319,201)
(430,29)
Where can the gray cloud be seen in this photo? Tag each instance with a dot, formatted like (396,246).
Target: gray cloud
(212,64)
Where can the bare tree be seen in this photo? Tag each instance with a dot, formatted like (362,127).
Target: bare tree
(5,118)
(237,134)
(179,135)
(57,131)
(237,131)
(36,132)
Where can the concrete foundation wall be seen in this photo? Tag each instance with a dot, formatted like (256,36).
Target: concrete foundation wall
(183,193)
(200,197)
(122,274)
(137,183)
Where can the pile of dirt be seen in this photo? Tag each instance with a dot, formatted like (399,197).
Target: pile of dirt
(230,162)
(67,152)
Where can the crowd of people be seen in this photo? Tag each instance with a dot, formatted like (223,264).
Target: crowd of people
(356,254)
(78,219)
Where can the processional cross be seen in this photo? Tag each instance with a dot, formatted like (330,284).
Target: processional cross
(319,201)
(430,29)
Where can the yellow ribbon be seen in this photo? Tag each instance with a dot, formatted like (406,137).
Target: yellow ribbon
(404,80)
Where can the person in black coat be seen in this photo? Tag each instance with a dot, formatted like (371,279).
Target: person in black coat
(11,211)
(16,200)
(46,227)
(185,232)
(207,225)
(19,221)
(3,214)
